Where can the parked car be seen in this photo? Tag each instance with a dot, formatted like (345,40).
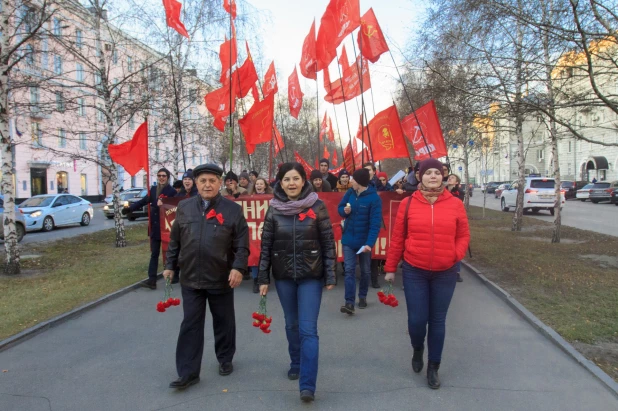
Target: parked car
(491,186)
(604,191)
(44,212)
(142,212)
(125,196)
(110,197)
(539,194)
(570,188)
(500,189)
(20,222)
(583,194)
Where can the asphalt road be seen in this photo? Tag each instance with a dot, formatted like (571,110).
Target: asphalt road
(601,218)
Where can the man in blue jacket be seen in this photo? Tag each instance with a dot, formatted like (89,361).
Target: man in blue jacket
(362,209)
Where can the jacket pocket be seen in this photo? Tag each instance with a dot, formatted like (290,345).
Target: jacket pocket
(312,260)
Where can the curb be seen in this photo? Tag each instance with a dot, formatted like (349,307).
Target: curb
(52,322)
(547,331)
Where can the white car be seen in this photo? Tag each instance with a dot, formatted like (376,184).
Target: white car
(583,194)
(539,194)
(44,212)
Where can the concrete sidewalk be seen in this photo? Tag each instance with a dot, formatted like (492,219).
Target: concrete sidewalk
(120,356)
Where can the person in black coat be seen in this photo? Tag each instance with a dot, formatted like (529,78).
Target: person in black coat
(163,189)
(188,185)
(330,178)
(209,241)
(299,246)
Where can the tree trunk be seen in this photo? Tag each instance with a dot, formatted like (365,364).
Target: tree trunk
(519,120)
(466,179)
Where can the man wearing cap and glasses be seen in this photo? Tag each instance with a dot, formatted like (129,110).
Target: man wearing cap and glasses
(209,241)
(163,189)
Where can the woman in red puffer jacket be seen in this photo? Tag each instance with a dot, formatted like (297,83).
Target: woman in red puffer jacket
(432,234)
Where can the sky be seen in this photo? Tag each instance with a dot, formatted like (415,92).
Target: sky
(290,24)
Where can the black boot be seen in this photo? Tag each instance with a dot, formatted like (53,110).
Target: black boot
(417,359)
(432,375)
(256,287)
(374,280)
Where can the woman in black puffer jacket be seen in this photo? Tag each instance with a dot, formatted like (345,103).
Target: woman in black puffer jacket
(298,244)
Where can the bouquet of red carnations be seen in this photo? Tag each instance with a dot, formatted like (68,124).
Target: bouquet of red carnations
(168,301)
(387,297)
(260,317)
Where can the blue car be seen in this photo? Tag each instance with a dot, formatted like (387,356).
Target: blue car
(44,212)
(20,222)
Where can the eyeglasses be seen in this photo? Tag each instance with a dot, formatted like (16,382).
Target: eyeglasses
(162,175)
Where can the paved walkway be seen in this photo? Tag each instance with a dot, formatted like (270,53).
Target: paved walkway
(120,356)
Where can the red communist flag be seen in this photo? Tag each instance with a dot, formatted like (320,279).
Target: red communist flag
(303,163)
(341,18)
(277,140)
(323,127)
(343,59)
(326,153)
(172,16)
(348,158)
(386,134)
(295,94)
(132,155)
(371,41)
(257,124)
(351,84)
(270,81)
(228,55)
(334,161)
(230,7)
(255,93)
(433,144)
(308,66)
(246,76)
(331,132)
(218,103)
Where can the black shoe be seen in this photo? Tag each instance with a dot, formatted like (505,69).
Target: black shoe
(306,396)
(246,276)
(293,374)
(432,375)
(374,281)
(417,360)
(347,309)
(256,286)
(184,382)
(459,279)
(362,303)
(151,284)
(226,368)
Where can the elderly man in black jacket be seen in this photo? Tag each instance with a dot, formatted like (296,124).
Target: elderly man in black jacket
(210,243)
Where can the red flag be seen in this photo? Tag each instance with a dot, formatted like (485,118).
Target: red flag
(387,139)
(246,76)
(218,103)
(255,93)
(326,153)
(352,84)
(341,18)
(227,62)
(343,59)
(331,132)
(172,16)
(334,161)
(257,124)
(230,7)
(303,163)
(132,155)
(359,132)
(308,67)
(348,158)
(270,81)
(371,41)
(295,94)
(277,140)
(430,125)
(250,147)
(323,127)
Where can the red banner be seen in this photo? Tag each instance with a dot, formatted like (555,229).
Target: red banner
(432,145)
(256,206)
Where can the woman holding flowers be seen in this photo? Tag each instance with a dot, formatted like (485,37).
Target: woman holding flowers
(298,244)
(432,234)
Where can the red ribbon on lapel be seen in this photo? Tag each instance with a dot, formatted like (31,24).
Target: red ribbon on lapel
(309,214)
(213,214)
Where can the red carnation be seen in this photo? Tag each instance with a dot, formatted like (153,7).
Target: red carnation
(266,331)
(268,319)
(256,323)
(176,301)
(381,294)
(264,326)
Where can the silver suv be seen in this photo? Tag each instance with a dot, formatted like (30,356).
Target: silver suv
(539,194)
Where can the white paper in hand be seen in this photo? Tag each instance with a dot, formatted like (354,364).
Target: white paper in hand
(362,249)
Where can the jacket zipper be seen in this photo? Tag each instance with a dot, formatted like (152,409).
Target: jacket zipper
(432,241)
(294,239)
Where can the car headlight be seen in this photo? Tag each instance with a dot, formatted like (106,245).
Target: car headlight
(36,214)
(126,204)
(105,208)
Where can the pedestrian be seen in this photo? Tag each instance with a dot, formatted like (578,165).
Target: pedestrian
(453,185)
(163,189)
(412,179)
(594,180)
(189,189)
(362,209)
(299,246)
(209,241)
(261,186)
(373,180)
(317,182)
(231,186)
(177,186)
(375,264)
(431,233)
(244,181)
(383,184)
(343,184)
(253,175)
(446,169)
(328,177)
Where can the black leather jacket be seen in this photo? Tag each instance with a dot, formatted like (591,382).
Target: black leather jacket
(297,249)
(203,248)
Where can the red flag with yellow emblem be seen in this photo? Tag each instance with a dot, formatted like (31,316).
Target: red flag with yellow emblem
(386,134)
(371,41)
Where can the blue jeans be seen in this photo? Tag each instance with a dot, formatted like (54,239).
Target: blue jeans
(428,296)
(254,272)
(300,300)
(349,259)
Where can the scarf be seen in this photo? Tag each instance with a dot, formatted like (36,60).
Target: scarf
(431,194)
(294,207)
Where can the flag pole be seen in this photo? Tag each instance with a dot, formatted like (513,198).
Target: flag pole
(402,133)
(231,97)
(330,90)
(364,111)
(405,90)
(177,106)
(317,112)
(285,146)
(346,109)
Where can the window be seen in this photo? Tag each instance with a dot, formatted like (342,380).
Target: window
(545,183)
(130,92)
(131,123)
(37,135)
(83,181)
(30,55)
(130,64)
(60,102)
(116,88)
(98,49)
(57,27)
(81,107)
(100,113)
(97,78)
(79,72)
(34,95)
(82,141)
(569,169)
(570,147)
(62,138)
(44,56)
(115,56)
(79,39)
(58,65)
(541,154)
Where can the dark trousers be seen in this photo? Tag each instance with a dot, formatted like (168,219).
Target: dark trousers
(428,296)
(155,251)
(190,345)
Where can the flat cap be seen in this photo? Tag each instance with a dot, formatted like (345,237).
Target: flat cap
(207,168)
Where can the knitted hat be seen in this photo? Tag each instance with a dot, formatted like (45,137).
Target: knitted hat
(315,174)
(324,160)
(382,174)
(427,164)
(361,176)
(177,184)
(244,175)
(188,174)
(344,172)
(254,173)
(231,176)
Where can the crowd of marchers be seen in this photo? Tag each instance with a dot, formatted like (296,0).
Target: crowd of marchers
(209,248)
